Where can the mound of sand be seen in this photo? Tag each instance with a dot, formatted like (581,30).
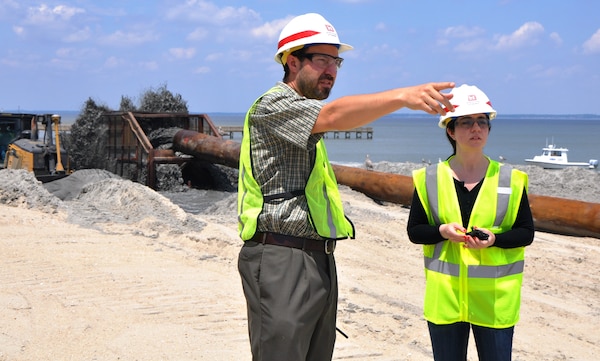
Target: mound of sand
(98,199)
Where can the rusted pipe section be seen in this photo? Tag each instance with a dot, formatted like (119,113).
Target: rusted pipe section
(207,147)
(382,186)
(565,216)
(550,214)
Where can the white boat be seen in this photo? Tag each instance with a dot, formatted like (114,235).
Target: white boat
(554,157)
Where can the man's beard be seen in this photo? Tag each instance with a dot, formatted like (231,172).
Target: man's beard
(311,90)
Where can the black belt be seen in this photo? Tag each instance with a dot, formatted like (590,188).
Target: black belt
(327,246)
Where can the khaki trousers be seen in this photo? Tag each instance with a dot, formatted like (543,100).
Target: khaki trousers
(291,297)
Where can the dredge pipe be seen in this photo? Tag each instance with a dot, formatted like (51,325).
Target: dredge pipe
(550,214)
(381,186)
(565,216)
(207,147)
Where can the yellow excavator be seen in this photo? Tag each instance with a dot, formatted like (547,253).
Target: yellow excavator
(22,148)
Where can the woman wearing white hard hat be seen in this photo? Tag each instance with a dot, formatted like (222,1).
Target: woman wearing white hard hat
(472,216)
(289,209)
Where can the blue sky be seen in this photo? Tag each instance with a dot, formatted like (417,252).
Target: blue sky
(528,56)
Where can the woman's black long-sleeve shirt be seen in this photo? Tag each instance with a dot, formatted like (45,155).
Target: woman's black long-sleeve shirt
(421,232)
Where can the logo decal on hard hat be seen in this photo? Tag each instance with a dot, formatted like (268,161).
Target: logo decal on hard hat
(472,98)
(329,28)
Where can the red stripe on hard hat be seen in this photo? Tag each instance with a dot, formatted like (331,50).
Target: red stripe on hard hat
(447,110)
(300,35)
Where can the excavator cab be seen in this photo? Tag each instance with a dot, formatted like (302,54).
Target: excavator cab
(12,127)
(21,149)
(7,135)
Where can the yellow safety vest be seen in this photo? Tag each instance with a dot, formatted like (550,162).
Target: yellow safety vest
(480,286)
(326,212)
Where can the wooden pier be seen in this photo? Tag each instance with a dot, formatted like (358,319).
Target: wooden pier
(355,133)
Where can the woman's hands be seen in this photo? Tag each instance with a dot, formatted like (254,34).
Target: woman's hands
(476,243)
(455,232)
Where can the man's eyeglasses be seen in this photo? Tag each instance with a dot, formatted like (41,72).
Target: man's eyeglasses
(324,61)
(467,123)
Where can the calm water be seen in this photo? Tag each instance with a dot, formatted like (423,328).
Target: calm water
(410,138)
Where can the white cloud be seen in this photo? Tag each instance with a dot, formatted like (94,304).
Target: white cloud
(50,23)
(202,70)
(214,57)
(78,36)
(208,12)
(381,26)
(592,45)
(76,53)
(230,13)
(19,30)
(221,24)
(149,65)
(182,53)
(43,14)
(470,38)
(62,63)
(471,46)
(197,34)
(192,9)
(526,35)
(64,52)
(556,38)
(553,72)
(120,38)
(67,12)
(270,30)
(113,62)
(462,31)
(243,55)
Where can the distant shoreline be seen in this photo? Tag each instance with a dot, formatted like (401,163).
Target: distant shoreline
(70,116)
(397,114)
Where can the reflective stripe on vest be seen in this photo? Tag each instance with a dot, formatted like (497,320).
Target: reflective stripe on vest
(451,269)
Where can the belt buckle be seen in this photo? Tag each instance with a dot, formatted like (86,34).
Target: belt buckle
(329,246)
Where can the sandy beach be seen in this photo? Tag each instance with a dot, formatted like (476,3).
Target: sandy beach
(112,270)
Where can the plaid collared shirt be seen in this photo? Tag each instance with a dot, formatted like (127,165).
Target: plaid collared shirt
(283,153)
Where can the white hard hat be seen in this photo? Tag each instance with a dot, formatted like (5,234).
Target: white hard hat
(307,29)
(468,99)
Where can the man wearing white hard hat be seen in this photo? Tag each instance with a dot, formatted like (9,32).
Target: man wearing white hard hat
(472,216)
(290,213)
